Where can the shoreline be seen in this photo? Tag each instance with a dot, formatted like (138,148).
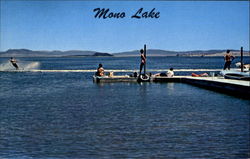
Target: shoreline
(56,56)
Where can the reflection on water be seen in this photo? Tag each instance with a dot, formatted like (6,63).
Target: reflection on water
(170,86)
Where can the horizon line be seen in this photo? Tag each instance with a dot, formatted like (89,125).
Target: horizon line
(123,51)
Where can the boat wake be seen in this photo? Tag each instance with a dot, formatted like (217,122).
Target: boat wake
(23,66)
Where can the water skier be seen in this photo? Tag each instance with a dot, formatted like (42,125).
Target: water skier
(14,63)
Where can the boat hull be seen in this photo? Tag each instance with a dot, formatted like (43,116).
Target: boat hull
(236,77)
(236,74)
(98,79)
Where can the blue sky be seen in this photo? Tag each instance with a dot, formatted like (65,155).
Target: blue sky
(70,25)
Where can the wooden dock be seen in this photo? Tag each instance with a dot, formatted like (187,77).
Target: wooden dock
(233,87)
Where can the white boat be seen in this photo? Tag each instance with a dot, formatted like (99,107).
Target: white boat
(236,74)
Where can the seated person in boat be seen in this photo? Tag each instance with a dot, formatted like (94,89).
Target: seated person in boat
(169,73)
(199,75)
(100,70)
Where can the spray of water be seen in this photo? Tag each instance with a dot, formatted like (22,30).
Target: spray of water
(32,65)
(7,66)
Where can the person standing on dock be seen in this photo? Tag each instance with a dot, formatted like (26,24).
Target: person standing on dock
(228,59)
(14,63)
(143,60)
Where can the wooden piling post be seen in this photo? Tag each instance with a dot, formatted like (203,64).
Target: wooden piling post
(241,59)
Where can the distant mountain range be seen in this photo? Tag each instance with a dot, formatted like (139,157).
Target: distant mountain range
(79,53)
(55,53)
(157,52)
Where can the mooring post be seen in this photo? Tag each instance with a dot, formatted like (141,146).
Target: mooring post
(241,59)
(145,59)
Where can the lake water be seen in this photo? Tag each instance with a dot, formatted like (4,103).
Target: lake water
(66,115)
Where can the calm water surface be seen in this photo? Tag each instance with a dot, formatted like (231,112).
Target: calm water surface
(66,115)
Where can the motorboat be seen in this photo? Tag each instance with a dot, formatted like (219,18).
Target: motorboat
(236,74)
